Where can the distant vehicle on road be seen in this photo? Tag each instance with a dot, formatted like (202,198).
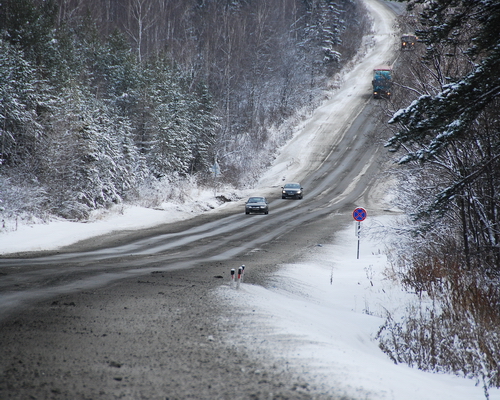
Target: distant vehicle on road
(257,205)
(292,191)
(382,81)
(408,41)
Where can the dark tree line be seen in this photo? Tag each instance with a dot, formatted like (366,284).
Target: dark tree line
(447,137)
(100,99)
(453,124)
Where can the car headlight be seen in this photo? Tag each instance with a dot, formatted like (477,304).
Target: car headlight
(299,191)
(262,206)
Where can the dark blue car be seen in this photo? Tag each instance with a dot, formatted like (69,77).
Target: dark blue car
(292,191)
(257,205)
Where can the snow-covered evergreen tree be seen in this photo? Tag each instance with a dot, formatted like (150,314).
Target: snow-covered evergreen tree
(453,123)
(325,27)
(89,160)
(448,131)
(178,126)
(20,96)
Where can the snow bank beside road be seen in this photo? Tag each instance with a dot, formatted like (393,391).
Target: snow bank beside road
(319,318)
(59,233)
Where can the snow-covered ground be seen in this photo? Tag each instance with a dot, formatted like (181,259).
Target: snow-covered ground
(318,316)
(60,233)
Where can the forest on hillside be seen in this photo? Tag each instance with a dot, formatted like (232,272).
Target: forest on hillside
(112,101)
(444,130)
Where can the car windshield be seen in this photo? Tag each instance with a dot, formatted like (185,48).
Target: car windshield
(292,186)
(256,200)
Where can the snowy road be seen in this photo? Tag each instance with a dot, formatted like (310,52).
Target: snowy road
(334,156)
(339,180)
(150,314)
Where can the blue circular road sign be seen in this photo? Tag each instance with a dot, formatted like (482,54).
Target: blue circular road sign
(359,214)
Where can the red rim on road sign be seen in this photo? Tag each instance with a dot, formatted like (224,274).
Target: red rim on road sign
(359,214)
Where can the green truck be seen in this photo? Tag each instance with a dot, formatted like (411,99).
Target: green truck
(382,82)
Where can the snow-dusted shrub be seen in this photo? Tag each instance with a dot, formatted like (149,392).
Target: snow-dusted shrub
(21,202)
(153,192)
(453,325)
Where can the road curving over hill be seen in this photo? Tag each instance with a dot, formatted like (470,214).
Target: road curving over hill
(130,315)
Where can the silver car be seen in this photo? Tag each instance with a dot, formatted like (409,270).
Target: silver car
(257,205)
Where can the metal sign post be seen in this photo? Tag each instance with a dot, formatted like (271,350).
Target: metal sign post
(358,234)
(359,214)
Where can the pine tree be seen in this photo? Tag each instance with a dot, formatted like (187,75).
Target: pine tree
(436,118)
(450,136)
(28,24)
(89,161)
(324,29)
(452,128)
(178,126)
(21,95)
(462,41)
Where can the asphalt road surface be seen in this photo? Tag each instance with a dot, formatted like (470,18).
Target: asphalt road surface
(134,318)
(131,315)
